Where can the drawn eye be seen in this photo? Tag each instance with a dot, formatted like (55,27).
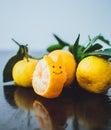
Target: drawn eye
(53,66)
(60,67)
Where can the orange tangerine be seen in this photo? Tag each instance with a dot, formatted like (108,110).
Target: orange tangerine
(69,63)
(49,77)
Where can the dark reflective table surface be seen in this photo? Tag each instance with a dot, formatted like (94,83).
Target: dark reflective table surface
(75,109)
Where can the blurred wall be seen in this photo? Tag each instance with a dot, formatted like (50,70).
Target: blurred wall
(33,22)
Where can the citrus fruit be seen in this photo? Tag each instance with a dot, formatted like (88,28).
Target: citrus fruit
(69,63)
(23,70)
(49,77)
(94,74)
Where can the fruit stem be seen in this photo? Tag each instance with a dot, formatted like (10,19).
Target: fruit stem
(23,49)
(16,42)
(26,52)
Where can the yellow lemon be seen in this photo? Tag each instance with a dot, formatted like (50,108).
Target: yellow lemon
(69,63)
(94,74)
(23,70)
(49,77)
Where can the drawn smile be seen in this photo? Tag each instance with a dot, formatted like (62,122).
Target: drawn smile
(57,72)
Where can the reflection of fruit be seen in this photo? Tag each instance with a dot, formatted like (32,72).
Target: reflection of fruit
(53,114)
(9,94)
(94,74)
(24,98)
(93,111)
(49,77)
(42,115)
(69,63)
(22,72)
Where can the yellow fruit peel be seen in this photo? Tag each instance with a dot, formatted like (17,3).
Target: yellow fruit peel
(22,72)
(94,74)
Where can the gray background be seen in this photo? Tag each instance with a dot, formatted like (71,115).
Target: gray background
(33,22)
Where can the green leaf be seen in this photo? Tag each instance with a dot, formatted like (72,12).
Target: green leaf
(54,47)
(73,48)
(76,49)
(7,72)
(94,47)
(70,48)
(89,38)
(91,42)
(105,52)
(60,41)
(80,53)
(76,44)
(104,40)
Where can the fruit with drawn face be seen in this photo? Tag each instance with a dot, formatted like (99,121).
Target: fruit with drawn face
(69,64)
(49,77)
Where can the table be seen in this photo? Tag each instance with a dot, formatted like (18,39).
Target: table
(75,109)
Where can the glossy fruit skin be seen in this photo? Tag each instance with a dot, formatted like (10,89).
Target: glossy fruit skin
(94,74)
(69,64)
(22,72)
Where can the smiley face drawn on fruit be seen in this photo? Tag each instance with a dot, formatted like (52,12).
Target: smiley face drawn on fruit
(56,67)
(49,77)
(60,67)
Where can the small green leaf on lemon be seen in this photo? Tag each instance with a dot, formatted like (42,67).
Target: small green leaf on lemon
(7,72)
